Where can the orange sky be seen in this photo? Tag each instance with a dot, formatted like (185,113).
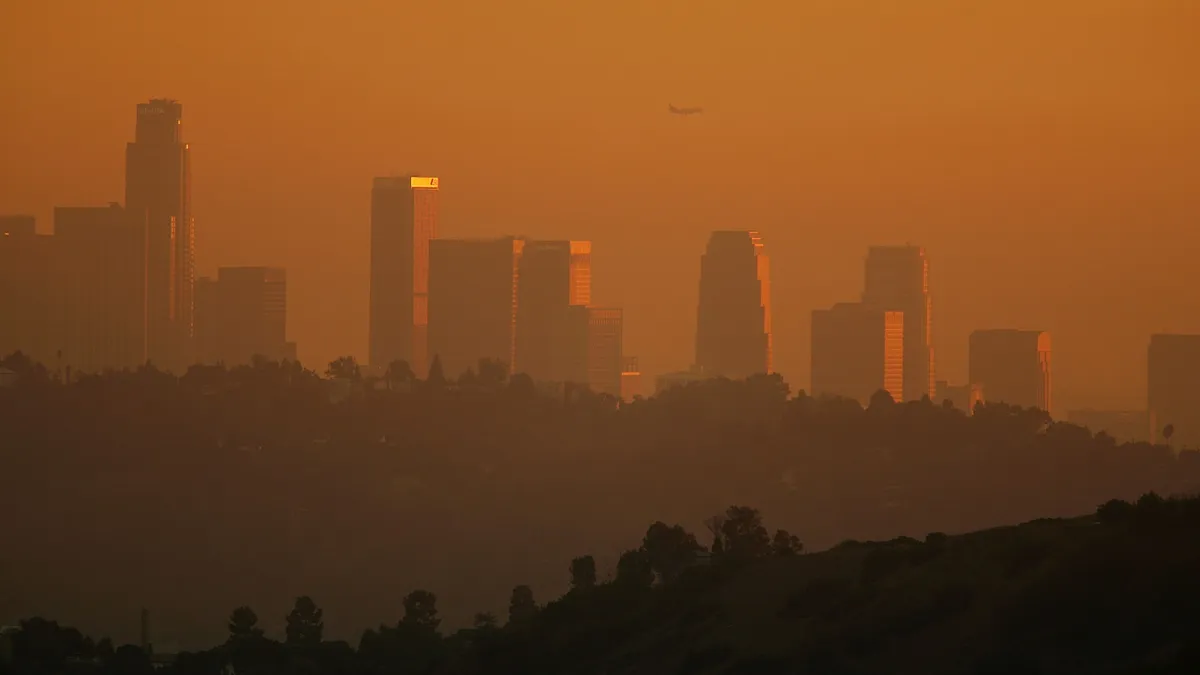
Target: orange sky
(1046,153)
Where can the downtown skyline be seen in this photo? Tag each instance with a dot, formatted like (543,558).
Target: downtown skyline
(651,365)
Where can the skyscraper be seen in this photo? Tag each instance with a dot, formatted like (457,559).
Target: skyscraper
(1173,398)
(473,301)
(251,314)
(631,378)
(207,321)
(27,284)
(158,183)
(897,279)
(605,362)
(17,225)
(857,350)
(404,217)
(101,262)
(1012,366)
(554,279)
(733,322)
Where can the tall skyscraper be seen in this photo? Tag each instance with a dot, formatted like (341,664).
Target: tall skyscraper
(207,321)
(101,260)
(897,279)
(158,183)
(473,301)
(28,308)
(857,350)
(1012,366)
(733,322)
(553,291)
(605,360)
(404,218)
(1172,374)
(17,226)
(251,314)
(631,378)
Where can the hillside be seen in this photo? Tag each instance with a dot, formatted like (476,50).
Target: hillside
(1050,596)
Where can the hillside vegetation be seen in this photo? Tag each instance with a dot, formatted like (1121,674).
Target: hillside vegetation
(1113,594)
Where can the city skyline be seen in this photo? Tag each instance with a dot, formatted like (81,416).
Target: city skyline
(1093,398)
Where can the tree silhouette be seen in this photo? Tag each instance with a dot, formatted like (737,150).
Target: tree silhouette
(784,543)
(583,572)
(304,625)
(521,606)
(437,377)
(491,373)
(398,372)
(669,549)
(345,368)
(420,609)
(743,534)
(484,621)
(243,624)
(634,569)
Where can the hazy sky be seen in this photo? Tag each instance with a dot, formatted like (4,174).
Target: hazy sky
(1046,153)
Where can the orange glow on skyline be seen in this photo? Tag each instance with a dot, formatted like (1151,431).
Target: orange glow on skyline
(1045,153)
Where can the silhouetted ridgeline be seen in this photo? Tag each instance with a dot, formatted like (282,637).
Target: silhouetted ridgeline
(193,495)
(1110,594)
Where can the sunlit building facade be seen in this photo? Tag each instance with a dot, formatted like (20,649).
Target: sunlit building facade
(404,218)
(1173,397)
(473,301)
(553,292)
(1012,366)
(158,184)
(857,350)
(733,319)
(101,279)
(897,279)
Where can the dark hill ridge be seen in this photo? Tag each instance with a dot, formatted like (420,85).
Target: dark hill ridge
(1110,594)
(1049,596)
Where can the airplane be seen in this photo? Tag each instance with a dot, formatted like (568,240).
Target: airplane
(683,111)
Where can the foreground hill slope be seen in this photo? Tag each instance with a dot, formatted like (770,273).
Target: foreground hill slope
(1116,593)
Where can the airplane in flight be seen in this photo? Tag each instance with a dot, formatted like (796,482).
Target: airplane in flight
(683,111)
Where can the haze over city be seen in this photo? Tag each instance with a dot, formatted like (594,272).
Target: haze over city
(1044,154)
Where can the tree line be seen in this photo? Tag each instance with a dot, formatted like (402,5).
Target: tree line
(256,484)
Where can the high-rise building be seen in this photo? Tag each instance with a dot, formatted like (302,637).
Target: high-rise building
(1124,426)
(404,218)
(28,309)
(604,358)
(473,301)
(553,291)
(1173,398)
(897,279)
(733,319)
(17,226)
(207,343)
(101,262)
(158,184)
(631,378)
(1012,366)
(250,315)
(962,396)
(857,350)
